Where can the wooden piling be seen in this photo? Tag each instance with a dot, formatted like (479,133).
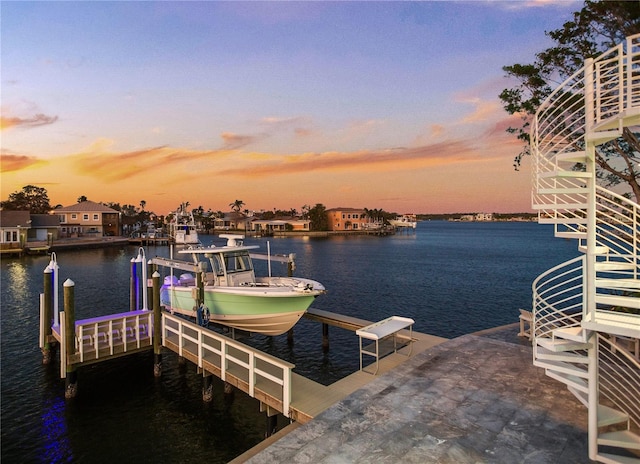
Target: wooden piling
(71,380)
(325,336)
(207,388)
(47,312)
(157,326)
(132,285)
(148,286)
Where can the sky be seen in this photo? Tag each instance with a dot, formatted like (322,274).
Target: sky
(380,105)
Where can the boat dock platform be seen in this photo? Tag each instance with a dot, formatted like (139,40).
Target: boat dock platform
(473,399)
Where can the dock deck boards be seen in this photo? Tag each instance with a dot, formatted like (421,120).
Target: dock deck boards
(310,398)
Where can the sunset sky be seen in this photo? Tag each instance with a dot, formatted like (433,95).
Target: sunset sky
(390,105)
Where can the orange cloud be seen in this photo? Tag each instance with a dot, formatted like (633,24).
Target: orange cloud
(429,155)
(35,121)
(11,162)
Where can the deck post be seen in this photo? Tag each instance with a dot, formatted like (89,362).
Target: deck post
(149,285)
(71,380)
(207,387)
(157,326)
(47,310)
(272,424)
(132,285)
(325,336)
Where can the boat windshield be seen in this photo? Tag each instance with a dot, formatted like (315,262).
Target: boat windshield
(235,261)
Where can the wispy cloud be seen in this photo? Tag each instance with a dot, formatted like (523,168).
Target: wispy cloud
(33,121)
(234,141)
(12,162)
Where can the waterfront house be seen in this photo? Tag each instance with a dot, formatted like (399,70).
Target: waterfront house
(87,218)
(14,226)
(340,219)
(269,226)
(44,227)
(233,221)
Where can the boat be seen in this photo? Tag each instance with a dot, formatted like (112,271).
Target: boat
(233,295)
(182,227)
(405,220)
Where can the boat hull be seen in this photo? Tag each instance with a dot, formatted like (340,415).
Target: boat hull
(252,309)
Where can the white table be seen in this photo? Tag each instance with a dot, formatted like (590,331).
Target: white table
(377,331)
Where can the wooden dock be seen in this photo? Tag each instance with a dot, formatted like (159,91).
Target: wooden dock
(260,375)
(306,398)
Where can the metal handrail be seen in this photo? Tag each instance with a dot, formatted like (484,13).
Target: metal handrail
(621,391)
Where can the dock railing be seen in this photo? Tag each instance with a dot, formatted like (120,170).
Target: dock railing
(262,376)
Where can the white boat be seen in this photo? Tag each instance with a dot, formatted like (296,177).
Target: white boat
(232,293)
(182,227)
(406,220)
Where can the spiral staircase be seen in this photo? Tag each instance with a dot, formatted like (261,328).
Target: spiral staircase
(586,311)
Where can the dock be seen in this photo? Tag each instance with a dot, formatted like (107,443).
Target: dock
(473,399)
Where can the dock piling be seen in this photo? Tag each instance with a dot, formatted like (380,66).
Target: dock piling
(207,388)
(71,379)
(157,326)
(325,336)
(45,322)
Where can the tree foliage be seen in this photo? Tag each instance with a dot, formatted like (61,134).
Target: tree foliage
(318,217)
(597,27)
(30,198)
(236,205)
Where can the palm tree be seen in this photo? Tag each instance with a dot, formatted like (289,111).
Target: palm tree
(236,205)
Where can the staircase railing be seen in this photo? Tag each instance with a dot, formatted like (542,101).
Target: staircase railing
(580,306)
(620,391)
(558,297)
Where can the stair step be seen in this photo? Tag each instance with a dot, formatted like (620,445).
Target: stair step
(631,284)
(564,174)
(573,157)
(610,416)
(571,235)
(617,300)
(562,220)
(564,356)
(562,367)
(562,206)
(598,250)
(608,458)
(577,334)
(570,380)
(621,439)
(559,345)
(614,266)
(603,136)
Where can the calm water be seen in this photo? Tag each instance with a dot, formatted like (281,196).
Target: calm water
(452,278)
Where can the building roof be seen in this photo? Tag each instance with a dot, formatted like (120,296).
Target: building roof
(44,220)
(85,207)
(9,218)
(345,209)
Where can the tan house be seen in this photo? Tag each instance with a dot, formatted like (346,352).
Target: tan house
(269,226)
(88,218)
(350,219)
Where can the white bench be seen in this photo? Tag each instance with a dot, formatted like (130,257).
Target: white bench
(526,322)
(385,328)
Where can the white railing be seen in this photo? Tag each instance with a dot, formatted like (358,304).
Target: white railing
(117,332)
(260,370)
(558,297)
(619,378)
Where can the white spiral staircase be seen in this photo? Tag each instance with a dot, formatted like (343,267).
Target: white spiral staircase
(586,312)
